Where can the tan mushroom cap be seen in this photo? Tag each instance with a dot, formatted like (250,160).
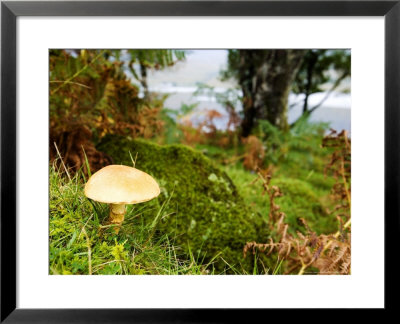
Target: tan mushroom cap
(120,184)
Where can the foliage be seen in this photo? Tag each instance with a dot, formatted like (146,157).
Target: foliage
(181,127)
(261,74)
(81,243)
(210,204)
(298,164)
(340,167)
(326,254)
(282,146)
(230,99)
(145,59)
(255,153)
(91,96)
(205,211)
(265,78)
(301,199)
(157,59)
(319,68)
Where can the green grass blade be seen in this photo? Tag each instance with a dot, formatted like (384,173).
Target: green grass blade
(87,163)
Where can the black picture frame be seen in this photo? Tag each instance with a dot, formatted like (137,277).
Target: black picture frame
(10,10)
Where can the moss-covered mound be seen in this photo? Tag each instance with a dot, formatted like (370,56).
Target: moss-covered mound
(208,216)
(300,201)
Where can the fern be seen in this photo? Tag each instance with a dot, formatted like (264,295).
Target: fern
(326,253)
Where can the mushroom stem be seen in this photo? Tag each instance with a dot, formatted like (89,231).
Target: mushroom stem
(117,213)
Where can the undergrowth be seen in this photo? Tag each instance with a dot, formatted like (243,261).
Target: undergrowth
(306,251)
(80,242)
(297,161)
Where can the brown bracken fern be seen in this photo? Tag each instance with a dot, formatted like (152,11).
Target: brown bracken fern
(309,252)
(90,97)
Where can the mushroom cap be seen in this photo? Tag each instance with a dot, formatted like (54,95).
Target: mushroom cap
(120,184)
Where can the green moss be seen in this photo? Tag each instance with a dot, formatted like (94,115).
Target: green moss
(300,201)
(207,216)
(301,198)
(77,223)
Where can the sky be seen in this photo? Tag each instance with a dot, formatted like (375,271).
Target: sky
(200,66)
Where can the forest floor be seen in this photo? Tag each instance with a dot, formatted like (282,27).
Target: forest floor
(82,243)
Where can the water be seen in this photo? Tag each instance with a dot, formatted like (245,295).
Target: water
(335,110)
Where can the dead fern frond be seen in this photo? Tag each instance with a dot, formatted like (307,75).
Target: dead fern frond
(329,254)
(255,153)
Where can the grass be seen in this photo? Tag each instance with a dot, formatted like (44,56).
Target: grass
(80,242)
(298,164)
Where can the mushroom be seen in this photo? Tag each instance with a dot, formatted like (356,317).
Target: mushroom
(119,185)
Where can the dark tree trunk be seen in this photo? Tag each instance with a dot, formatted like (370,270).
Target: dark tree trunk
(143,79)
(310,69)
(265,77)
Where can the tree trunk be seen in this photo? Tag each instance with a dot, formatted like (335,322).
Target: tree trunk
(309,82)
(143,79)
(266,77)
